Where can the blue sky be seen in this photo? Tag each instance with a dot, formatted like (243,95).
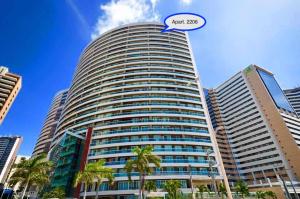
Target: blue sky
(42,40)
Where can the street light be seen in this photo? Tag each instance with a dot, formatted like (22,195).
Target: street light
(191,181)
(211,163)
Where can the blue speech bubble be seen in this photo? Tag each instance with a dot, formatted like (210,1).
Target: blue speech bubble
(184,21)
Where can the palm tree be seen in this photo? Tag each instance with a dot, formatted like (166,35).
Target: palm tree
(101,172)
(86,177)
(201,189)
(55,193)
(172,187)
(92,171)
(141,164)
(150,185)
(33,171)
(242,188)
(222,190)
(260,194)
(271,194)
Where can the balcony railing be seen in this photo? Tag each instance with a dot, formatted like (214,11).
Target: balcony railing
(151,139)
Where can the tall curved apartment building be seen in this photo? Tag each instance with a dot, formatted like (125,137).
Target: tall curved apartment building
(137,86)
(44,140)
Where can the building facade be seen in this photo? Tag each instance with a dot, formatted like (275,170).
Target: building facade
(10,85)
(261,128)
(9,146)
(293,96)
(137,86)
(49,127)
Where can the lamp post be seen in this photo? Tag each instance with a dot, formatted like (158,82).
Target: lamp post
(211,163)
(191,181)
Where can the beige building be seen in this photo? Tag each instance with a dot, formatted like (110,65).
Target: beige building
(10,84)
(257,129)
(49,127)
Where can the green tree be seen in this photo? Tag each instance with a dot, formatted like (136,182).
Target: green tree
(33,171)
(150,185)
(201,189)
(55,193)
(86,177)
(222,190)
(101,172)
(93,171)
(260,195)
(242,188)
(172,187)
(271,194)
(141,164)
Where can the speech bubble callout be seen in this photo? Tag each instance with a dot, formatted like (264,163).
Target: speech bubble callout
(184,22)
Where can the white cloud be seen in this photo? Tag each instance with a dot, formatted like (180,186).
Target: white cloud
(186,2)
(119,12)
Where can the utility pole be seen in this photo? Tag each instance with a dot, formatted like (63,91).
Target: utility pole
(191,181)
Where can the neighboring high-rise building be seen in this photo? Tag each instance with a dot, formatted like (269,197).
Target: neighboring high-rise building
(293,96)
(10,84)
(136,86)
(9,146)
(18,160)
(48,130)
(258,127)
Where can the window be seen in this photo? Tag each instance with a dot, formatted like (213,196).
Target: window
(275,91)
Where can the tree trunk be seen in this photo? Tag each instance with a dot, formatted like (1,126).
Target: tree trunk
(97,190)
(37,192)
(85,188)
(25,188)
(140,188)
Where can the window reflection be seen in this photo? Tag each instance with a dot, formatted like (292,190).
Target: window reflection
(275,91)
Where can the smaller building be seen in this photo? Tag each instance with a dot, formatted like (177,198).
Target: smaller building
(10,85)
(293,96)
(18,160)
(9,146)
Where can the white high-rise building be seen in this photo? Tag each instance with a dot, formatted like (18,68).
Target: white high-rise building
(137,86)
(293,96)
(9,146)
(47,133)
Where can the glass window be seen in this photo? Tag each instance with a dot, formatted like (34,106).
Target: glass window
(275,91)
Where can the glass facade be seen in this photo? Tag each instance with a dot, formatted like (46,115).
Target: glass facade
(275,91)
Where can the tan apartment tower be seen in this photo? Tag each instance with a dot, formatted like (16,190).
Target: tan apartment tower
(10,84)
(257,127)
(44,140)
